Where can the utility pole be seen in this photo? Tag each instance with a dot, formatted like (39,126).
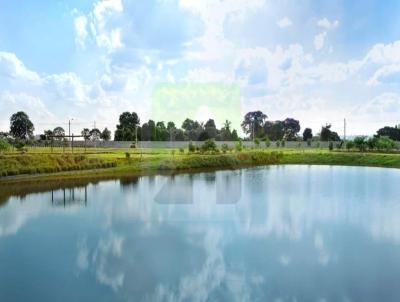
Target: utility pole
(344,129)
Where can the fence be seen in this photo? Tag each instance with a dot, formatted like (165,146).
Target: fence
(172,144)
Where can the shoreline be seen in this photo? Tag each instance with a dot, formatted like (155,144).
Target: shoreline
(192,163)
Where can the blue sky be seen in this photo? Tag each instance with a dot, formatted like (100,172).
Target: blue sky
(317,61)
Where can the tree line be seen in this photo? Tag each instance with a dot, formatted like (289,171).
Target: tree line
(255,126)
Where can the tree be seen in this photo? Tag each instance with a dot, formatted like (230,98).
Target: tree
(291,128)
(126,129)
(171,125)
(60,132)
(162,134)
(275,131)
(226,133)
(390,132)
(253,122)
(105,135)
(307,134)
(20,126)
(95,134)
(188,124)
(328,135)
(86,134)
(210,129)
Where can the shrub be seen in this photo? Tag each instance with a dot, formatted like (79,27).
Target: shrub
(191,147)
(19,145)
(349,145)
(385,143)
(127,155)
(360,142)
(239,145)
(267,142)
(4,145)
(309,142)
(330,146)
(209,146)
(283,142)
(224,148)
(278,144)
(181,150)
(372,143)
(173,152)
(257,142)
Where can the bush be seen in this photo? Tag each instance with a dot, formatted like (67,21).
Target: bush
(224,148)
(181,150)
(191,147)
(19,145)
(385,143)
(330,146)
(209,146)
(309,142)
(239,145)
(127,155)
(278,144)
(4,145)
(360,142)
(267,143)
(257,142)
(283,142)
(349,145)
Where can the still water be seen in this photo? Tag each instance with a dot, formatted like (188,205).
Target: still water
(285,233)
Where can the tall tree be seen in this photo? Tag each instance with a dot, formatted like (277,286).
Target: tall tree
(210,128)
(328,135)
(59,132)
(307,134)
(292,127)
(95,134)
(253,122)
(20,126)
(86,134)
(275,131)
(105,135)
(391,132)
(126,128)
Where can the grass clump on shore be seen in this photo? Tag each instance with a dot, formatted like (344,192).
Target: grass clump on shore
(12,165)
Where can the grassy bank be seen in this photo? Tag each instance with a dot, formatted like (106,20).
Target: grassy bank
(115,163)
(11,165)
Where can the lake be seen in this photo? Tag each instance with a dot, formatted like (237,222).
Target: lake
(279,233)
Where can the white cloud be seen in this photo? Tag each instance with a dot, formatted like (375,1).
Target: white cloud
(98,25)
(384,53)
(325,23)
(80,24)
(319,40)
(11,67)
(382,73)
(213,14)
(284,22)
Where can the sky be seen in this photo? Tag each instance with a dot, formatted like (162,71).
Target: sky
(317,61)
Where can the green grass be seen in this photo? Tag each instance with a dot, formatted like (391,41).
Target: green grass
(11,165)
(105,163)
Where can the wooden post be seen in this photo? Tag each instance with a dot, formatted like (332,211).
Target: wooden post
(72,145)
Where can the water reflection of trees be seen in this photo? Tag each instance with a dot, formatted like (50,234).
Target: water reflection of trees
(22,189)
